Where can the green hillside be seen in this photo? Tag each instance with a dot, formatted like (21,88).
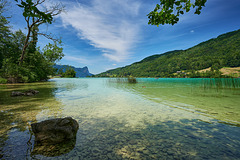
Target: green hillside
(223,51)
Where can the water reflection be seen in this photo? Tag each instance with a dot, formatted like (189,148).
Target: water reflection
(53,150)
(17,113)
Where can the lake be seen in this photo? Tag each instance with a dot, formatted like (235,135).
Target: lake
(153,119)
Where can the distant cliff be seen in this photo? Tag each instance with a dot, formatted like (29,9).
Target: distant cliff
(80,72)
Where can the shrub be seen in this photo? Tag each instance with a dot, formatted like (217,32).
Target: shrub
(3,81)
(132,79)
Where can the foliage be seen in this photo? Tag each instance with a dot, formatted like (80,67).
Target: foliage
(69,73)
(31,10)
(223,51)
(3,81)
(60,71)
(168,11)
(36,64)
(53,52)
(35,17)
(4,32)
(207,74)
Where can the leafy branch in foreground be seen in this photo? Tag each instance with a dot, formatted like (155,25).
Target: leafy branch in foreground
(34,17)
(168,11)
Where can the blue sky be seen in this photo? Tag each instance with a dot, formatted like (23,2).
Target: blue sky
(106,34)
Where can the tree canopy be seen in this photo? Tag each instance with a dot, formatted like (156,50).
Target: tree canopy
(20,58)
(69,73)
(34,17)
(168,11)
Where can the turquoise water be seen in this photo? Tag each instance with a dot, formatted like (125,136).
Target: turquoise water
(153,119)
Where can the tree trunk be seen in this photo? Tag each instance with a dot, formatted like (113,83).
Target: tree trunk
(26,43)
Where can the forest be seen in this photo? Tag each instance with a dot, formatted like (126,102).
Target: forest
(223,51)
(21,60)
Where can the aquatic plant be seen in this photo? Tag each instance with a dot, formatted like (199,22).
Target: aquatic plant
(132,79)
(220,83)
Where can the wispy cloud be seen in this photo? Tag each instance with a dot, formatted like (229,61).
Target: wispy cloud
(109,26)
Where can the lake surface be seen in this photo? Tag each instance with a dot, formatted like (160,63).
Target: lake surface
(153,119)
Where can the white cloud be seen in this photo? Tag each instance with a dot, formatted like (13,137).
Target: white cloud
(192,31)
(109,26)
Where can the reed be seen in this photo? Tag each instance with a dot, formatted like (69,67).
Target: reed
(220,83)
(123,80)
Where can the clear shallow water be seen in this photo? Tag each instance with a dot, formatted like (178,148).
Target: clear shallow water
(153,119)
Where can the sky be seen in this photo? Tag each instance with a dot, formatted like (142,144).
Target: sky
(107,34)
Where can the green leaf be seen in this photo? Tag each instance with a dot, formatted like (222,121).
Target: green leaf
(177,3)
(20,5)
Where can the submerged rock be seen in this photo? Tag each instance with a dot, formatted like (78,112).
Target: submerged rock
(30,92)
(55,130)
(17,94)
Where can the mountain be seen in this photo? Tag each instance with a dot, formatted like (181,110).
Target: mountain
(223,51)
(80,72)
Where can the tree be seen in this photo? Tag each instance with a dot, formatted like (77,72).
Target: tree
(36,65)
(52,52)
(168,11)
(4,32)
(69,73)
(60,71)
(34,17)
(12,49)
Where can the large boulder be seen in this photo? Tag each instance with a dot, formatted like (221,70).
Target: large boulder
(55,130)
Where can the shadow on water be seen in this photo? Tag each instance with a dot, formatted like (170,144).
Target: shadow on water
(53,150)
(17,113)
